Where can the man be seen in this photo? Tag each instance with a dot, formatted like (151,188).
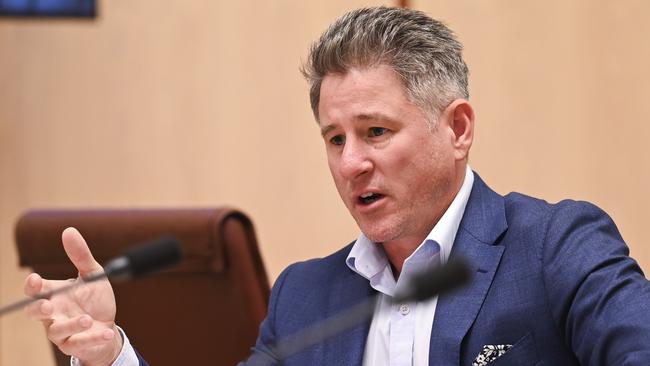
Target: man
(552,284)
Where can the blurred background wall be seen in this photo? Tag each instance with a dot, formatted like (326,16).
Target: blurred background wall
(200,103)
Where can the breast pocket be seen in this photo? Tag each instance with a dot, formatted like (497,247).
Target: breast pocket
(522,353)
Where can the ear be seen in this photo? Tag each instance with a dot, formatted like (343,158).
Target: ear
(460,115)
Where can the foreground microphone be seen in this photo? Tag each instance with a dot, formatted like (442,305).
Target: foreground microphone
(141,260)
(430,283)
(427,284)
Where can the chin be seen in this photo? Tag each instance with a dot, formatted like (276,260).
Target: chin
(380,233)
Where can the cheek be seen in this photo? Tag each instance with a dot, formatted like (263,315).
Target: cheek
(421,168)
(338,180)
(410,160)
(333,166)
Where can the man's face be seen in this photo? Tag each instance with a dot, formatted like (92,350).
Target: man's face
(395,175)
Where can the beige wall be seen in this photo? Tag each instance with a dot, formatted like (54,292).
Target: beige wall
(200,103)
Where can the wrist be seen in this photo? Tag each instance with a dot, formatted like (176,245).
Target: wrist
(119,343)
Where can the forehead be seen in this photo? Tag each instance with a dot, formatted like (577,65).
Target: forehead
(362,92)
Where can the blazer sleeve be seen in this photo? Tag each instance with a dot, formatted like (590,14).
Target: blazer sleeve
(599,296)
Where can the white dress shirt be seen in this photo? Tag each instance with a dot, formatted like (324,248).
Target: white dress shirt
(400,333)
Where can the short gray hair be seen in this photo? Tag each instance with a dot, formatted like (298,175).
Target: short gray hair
(424,53)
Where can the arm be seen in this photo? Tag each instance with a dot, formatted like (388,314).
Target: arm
(599,296)
(81,322)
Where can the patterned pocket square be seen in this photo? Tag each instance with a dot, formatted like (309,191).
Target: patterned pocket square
(490,352)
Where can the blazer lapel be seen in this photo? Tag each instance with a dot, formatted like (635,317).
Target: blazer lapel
(483,222)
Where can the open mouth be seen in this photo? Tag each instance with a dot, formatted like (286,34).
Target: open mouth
(370,197)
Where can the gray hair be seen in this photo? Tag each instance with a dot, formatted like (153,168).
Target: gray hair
(424,53)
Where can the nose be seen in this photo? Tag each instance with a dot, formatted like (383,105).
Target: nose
(355,161)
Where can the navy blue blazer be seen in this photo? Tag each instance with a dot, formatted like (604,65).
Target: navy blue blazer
(553,280)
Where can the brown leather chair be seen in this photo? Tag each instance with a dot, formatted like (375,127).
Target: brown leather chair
(206,311)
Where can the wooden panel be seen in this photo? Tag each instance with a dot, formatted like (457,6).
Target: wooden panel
(201,103)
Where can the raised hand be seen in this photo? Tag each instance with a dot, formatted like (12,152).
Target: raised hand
(81,322)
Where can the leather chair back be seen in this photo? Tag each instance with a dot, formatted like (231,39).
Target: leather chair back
(205,311)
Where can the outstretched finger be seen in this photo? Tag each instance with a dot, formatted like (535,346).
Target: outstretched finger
(33,284)
(61,330)
(77,250)
(40,310)
(87,339)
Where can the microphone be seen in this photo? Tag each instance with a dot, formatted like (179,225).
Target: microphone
(138,261)
(145,258)
(427,284)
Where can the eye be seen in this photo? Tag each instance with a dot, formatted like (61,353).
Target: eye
(337,140)
(376,131)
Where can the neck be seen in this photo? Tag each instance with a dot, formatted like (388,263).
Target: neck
(399,249)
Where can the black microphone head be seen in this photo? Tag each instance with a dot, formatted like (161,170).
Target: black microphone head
(153,256)
(437,281)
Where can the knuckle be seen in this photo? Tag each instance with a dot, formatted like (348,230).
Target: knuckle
(34,310)
(56,340)
(71,344)
(65,349)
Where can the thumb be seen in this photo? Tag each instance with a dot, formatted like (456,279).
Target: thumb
(77,250)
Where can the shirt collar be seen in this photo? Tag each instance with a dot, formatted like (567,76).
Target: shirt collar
(369,259)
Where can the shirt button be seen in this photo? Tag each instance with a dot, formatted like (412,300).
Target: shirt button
(404,309)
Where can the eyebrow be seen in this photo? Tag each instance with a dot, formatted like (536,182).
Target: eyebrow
(326,129)
(361,117)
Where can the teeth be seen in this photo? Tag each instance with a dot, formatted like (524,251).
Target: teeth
(367,195)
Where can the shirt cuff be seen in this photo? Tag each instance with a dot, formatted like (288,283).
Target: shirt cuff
(127,356)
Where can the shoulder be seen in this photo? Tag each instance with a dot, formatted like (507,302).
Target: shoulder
(521,203)
(528,212)
(567,234)
(573,240)
(488,215)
